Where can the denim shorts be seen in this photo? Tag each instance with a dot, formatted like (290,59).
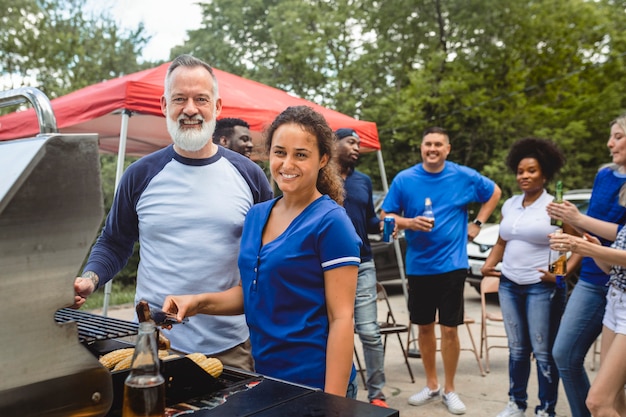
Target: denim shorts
(615,313)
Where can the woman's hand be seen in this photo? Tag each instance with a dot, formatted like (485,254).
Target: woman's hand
(181,305)
(565,211)
(490,271)
(564,242)
(547,276)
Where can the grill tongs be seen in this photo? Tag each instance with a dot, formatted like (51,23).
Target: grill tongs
(159,317)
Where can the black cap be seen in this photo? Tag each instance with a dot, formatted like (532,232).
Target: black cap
(345,132)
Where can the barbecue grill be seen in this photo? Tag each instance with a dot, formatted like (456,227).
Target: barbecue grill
(50,212)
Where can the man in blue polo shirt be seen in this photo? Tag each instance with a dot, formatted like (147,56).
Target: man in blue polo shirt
(360,208)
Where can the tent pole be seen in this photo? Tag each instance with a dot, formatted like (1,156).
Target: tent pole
(383,173)
(396,245)
(121,156)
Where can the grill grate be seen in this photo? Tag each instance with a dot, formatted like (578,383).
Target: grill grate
(92,327)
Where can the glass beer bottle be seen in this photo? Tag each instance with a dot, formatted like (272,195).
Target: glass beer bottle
(558,198)
(144,388)
(428,210)
(558,264)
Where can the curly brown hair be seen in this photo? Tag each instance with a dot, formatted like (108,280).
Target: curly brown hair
(328,181)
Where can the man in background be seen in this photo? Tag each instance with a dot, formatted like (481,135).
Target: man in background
(360,208)
(234,134)
(436,256)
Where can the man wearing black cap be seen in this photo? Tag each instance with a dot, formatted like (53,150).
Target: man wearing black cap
(360,208)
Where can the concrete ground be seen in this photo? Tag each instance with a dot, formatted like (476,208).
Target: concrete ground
(483,395)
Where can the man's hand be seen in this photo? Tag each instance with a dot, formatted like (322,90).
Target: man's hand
(421,224)
(472,231)
(83,287)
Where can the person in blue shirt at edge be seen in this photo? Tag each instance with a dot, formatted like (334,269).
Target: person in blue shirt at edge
(299,261)
(186,205)
(582,320)
(360,208)
(234,134)
(436,255)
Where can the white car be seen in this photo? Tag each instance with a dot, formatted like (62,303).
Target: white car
(480,248)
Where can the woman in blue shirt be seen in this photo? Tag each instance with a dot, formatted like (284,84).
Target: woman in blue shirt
(298,262)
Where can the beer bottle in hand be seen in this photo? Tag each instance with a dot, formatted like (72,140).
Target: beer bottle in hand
(428,210)
(558,198)
(558,264)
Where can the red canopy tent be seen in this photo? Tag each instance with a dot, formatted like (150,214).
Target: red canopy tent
(97,108)
(106,109)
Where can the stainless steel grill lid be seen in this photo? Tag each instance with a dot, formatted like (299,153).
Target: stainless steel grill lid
(50,212)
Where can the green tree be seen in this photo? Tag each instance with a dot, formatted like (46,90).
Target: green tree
(492,72)
(56,46)
(489,71)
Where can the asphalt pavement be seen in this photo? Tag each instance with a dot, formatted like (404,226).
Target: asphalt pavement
(482,395)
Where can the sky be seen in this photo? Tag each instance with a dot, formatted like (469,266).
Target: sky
(166,21)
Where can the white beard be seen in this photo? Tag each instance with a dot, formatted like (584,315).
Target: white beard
(191,140)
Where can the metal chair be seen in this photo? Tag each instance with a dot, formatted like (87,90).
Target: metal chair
(489,285)
(467,322)
(388,327)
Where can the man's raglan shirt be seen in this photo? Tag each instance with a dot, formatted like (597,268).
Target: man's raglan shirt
(187,215)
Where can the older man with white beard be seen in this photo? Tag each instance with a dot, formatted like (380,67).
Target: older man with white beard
(185,205)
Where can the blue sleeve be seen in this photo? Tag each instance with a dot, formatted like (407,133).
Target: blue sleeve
(392,202)
(484,189)
(115,244)
(339,245)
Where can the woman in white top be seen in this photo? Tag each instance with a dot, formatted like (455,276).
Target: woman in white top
(530,300)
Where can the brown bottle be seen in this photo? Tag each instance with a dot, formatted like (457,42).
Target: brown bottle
(558,264)
(144,388)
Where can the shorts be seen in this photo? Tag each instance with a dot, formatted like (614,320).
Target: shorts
(615,313)
(442,292)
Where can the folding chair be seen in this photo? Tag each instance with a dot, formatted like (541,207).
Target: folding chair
(467,321)
(388,327)
(489,285)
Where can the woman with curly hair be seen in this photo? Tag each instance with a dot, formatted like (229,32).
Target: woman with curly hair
(298,262)
(530,300)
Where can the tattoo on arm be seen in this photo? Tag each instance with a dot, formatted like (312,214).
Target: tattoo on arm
(93,277)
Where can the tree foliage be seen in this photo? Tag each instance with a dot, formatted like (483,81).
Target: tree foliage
(488,71)
(57,46)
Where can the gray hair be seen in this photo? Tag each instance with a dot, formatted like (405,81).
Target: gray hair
(189,62)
